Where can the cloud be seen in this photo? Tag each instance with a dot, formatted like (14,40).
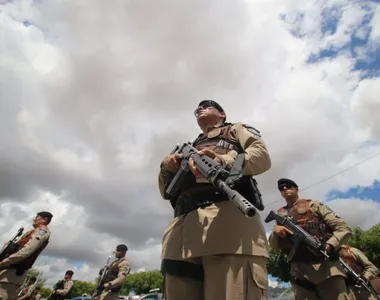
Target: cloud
(94,95)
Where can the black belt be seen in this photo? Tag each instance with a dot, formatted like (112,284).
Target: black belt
(187,203)
(182,268)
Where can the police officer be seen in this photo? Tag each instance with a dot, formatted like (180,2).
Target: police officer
(312,277)
(13,268)
(63,287)
(361,265)
(117,272)
(27,292)
(210,250)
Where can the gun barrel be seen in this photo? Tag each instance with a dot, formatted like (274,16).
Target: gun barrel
(242,204)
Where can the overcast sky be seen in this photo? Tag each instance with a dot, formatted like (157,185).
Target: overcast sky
(94,94)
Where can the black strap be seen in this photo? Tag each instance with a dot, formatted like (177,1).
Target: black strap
(188,203)
(182,268)
(304,284)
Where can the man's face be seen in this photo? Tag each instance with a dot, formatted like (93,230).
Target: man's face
(287,191)
(119,254)
(67,277)
(38,220)
(207,113)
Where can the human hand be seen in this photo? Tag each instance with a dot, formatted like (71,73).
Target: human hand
(281,231)
(172,162)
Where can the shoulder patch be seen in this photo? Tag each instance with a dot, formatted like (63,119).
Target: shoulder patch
(42,232)
(252,130)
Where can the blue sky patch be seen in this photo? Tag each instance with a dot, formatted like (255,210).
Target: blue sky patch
(372,192)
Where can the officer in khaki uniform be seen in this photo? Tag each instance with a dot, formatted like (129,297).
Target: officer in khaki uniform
(13,269)
(63,287)
(27,292)
(311,276)
(360,264)
(117,272)
(210,250)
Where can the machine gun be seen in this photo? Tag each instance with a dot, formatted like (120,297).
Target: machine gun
(103,272)
(218,175)
(300,236)
(12,246)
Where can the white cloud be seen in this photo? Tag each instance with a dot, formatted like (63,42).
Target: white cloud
(93,95)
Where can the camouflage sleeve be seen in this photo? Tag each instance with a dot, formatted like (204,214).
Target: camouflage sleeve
(36,241)
(257,159)
(341,232)
(124,269)
(370,270)
(66,288)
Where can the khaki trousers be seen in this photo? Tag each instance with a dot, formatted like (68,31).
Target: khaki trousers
(226,277)
(8,290)
(333,288)
(108,295)
(359,293)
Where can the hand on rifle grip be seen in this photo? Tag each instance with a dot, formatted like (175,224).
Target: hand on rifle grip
(282,231)
(172,162)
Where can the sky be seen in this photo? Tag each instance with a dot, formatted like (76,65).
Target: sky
(95,94)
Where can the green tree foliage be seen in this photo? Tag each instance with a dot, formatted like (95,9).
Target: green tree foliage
(142,282)
(278,265)
(81,287)
(368,241)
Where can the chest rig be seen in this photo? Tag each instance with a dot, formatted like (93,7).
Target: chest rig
(304,217)
(28,262)
(112,274)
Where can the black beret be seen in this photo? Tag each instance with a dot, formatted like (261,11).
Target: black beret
(286,180)
(45,214)
(69,272)
(212,103)
(121,247)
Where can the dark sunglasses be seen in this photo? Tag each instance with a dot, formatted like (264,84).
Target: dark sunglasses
(285,185)
(204,105)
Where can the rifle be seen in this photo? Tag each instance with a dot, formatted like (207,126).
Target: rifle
(100,287)
(11,246)
(314,245)
(218,175)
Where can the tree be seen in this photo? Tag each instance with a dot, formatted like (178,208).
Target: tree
(33,272)
(368,241)
(81,287)
(278,265)
(142,282)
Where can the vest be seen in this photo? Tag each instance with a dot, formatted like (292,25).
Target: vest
(304,217)
(112,273)
(219,141)
(28,262)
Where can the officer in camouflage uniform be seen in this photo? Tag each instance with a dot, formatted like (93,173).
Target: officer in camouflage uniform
(116,273)
(360,264)
(13,269)
(311,276)
(63,287)
(210,250)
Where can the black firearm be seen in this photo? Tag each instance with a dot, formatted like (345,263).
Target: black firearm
(218,175)
(11,246)
(358,280)
(300,236)
(100,287)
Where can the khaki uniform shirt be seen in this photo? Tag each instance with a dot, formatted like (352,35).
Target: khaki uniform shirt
(37,239)
(220,228)
(370,270)
(124,270)
(318,272)
(68,284)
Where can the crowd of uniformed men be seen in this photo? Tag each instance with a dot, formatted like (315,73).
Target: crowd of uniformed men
(210,250)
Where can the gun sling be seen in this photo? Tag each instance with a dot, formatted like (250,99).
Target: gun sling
(187,203)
